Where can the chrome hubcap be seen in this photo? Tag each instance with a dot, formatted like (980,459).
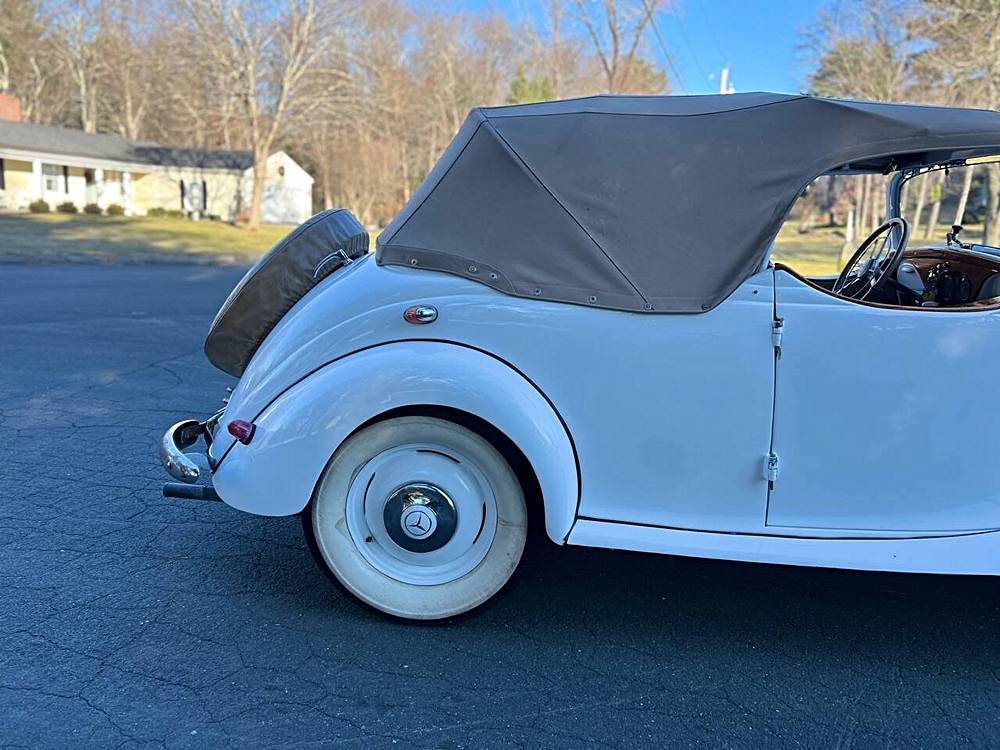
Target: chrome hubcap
(420,517)
(421,514)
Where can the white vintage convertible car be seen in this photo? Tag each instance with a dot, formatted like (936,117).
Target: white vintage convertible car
(577,313)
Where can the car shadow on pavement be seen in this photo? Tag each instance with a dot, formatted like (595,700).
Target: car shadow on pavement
(562,589)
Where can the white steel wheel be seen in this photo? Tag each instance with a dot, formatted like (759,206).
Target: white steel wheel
(420,518)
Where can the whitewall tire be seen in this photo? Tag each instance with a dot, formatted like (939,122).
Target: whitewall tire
(419,517)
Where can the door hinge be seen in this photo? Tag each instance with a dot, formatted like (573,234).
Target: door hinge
(771,467)
(777,329)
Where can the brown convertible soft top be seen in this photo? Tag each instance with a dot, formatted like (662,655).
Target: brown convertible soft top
(649,203)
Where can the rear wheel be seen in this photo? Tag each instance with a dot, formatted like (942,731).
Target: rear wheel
(419,518)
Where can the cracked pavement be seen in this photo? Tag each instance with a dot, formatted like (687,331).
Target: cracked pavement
(132,621)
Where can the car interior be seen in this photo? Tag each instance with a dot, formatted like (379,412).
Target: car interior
(888,269)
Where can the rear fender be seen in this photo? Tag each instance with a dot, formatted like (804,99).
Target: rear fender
(298,433)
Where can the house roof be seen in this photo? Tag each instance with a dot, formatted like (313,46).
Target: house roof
(48,139)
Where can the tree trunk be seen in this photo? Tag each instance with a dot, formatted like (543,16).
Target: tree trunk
(327,192)
(919,209)
(861,215)
(848,247)
(937,193)
(876,200)
(963,197)
(405,169)
(257,194)
(991,230)
(808,221)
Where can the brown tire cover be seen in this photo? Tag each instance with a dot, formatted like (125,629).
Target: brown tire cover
(300,261)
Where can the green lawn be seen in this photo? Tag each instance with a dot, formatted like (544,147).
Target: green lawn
(812,254)
(52,238)
(818,252)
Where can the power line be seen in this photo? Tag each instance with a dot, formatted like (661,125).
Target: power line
(687,42)
(668,56)
(711,31)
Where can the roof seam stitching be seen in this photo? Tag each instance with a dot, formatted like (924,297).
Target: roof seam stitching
(576,221)
(501,116)
(610,97)
(438,183)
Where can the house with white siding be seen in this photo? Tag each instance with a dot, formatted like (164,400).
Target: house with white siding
(60,165)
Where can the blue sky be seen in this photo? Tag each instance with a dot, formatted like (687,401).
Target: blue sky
(757,38)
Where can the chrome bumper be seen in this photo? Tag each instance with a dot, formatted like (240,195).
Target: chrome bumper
(177,463)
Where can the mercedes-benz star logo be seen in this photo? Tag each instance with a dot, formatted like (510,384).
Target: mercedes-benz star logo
(418,522)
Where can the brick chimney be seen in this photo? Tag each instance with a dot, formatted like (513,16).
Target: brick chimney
(10,107)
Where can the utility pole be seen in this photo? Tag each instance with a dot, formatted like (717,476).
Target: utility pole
(725,85)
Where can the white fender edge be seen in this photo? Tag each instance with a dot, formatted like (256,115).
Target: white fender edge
(298,433)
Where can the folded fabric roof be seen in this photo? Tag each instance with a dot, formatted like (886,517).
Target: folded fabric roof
(649,203)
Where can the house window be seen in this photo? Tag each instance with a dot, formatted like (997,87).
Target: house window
(52,177)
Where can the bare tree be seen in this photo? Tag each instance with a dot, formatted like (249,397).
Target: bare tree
(963,61)
(937,185)
(861,49)
(555,49)
(616,29)
(365,93)
(360,142)
(921,200)
(78,27)
(264,54)
(963,196)
(134,53)
(30,63)
(560,50)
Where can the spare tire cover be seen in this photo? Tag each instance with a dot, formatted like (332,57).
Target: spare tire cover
(310,253)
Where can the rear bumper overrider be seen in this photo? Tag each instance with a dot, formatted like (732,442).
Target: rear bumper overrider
(183,465)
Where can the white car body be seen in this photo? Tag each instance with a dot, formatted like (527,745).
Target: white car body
(577,308)
(724,435)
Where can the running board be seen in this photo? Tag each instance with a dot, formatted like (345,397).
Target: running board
(970,553)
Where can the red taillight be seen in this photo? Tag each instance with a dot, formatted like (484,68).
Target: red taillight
(241,430)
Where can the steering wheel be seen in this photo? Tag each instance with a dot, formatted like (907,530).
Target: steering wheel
(875,261)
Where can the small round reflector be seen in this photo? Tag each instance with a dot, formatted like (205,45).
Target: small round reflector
(241,430)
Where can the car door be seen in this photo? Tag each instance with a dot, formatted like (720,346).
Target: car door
(670,414)
(885,420)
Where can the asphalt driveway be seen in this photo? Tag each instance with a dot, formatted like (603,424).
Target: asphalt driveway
(130,621)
